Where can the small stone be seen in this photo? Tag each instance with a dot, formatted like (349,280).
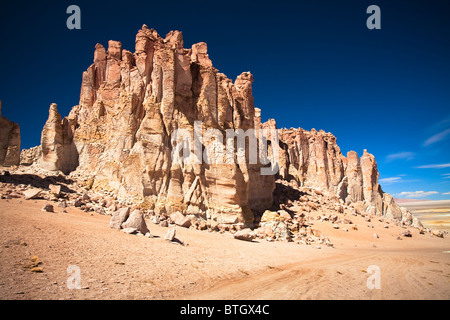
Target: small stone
(55,189)
(32,193)
(48,208)
(156,220)
(437,233)
(130,230)
(164,224)
(245,234)
(406,233)
(335,226)
(375,236)
(170,234)
(179,219)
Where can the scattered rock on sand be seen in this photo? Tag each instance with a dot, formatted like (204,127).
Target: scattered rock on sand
(48,208)
(179,219)
(130,230)
(55,189)
(164,224)
(33,193)
(119,217)
(437,233)
(406,233)
(170,234)
(136,220)
(245,234)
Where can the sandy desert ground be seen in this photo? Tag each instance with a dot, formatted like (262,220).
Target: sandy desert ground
(210,265)
(432,213)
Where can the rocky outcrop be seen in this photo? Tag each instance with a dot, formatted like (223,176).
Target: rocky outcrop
(313,159)
(30,156)
(9,142)
(125,127)
(129,131)
(57,151)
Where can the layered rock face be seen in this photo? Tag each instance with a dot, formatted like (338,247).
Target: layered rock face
(9,142)
(313,159)
(57,151)
(134,109)
(124,129)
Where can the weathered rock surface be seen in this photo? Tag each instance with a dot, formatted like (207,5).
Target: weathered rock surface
(136,221)
(313,159)
(245,234)
(119,217)
(9,142)
(30,156)
(58,153)
(170,234)
(135,107)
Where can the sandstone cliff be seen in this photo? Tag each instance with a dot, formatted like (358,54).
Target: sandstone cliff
(313,159)
(123,134)
(122,131)
(9,142)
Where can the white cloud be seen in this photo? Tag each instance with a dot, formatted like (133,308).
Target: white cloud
(435,166)
(447,193)
(391,180)
(416,194)
(400,155)
(437,137)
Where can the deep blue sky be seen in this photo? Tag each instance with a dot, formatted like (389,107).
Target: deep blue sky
(315,63)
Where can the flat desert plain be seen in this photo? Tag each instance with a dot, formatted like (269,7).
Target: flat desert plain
(210,265)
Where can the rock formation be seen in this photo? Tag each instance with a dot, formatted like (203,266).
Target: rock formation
(313,159)
(9,142)
(57,153)
(133,107)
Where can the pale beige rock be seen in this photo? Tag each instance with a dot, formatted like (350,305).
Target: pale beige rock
(58,153)
(55,189)
(9,142)
(245,234)
(33,193)
(119,217)
(30,156)
(136,221)
(179,219)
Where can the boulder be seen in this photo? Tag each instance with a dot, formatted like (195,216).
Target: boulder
(170,234)
(179,219)
(245,234)
(119,217)
(136,220)
(55,189)
(33,193)
(48,208)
